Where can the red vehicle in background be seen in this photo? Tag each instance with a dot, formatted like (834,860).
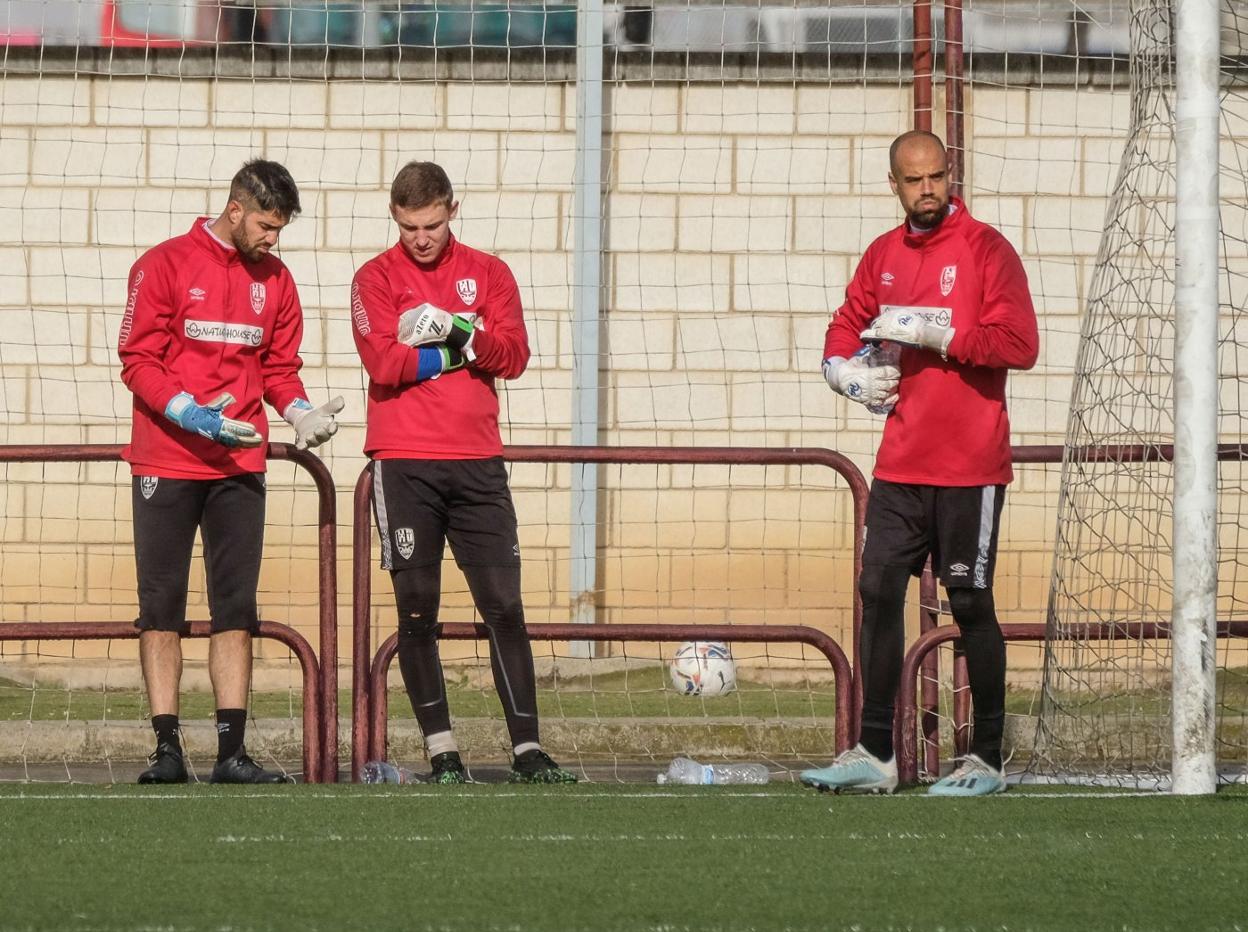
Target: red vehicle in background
(168,23)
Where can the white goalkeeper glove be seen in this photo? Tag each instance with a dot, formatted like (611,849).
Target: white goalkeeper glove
(313,426)
(429,324)
(208,421)
(923,327)
(858,380)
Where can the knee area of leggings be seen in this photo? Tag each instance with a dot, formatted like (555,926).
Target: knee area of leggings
(505,616)
(419,625)
(971,606)
(881,582)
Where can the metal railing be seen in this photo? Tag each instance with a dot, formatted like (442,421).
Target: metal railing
(369,671)
(320,680)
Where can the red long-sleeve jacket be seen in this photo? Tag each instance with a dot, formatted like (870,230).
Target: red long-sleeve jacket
(454,416)
(201,319)
(950,426)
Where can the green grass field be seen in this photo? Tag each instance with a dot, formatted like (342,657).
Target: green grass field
(611,857)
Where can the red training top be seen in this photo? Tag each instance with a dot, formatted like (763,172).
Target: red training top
(202,319)
(950,426)
(454,416)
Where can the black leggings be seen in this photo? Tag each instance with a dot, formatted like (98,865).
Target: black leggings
(496,592)
(882,647)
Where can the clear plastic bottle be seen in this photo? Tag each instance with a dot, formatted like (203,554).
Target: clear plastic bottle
(881,354)
(690,772)
(381,771)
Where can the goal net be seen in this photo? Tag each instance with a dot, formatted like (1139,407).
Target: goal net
(1105,710)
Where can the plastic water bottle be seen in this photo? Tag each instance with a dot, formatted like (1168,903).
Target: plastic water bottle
(881,354)
(690,772)
(382,771)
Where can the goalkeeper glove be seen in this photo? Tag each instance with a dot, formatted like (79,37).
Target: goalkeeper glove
(208,421)
(313,426)
(912,326)
(435,360)
(429,324)
(859,380)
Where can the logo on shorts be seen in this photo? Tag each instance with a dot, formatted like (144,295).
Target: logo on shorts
(405,540)
(147,486)
(947,277)
(257,296)
(958,569)
(515,549)
(467,288)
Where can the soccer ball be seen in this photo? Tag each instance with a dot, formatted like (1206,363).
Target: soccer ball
(703,668)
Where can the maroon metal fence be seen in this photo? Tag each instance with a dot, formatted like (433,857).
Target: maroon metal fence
(320,680)
(770,634)
(368,676)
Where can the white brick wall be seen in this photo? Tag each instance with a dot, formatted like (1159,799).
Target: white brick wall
(735,214)
(151,102)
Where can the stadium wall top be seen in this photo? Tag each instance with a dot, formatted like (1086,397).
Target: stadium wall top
(547,65)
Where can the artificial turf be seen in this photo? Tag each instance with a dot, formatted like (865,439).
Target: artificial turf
(610,857)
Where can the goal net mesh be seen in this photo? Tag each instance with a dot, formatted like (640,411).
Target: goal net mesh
(1104,705)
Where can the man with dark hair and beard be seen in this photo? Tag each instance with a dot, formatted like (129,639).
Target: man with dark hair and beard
(212,323)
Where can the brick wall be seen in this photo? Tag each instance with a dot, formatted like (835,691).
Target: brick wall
(735,214)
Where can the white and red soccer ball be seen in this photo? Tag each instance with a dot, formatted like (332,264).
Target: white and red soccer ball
(703,668)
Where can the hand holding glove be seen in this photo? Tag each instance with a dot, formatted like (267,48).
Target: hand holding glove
(208,420)
(429,324)
(911,326)
(313,426)
(858,380)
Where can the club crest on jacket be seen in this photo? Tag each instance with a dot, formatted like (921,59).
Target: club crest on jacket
(467,288)
(257,296)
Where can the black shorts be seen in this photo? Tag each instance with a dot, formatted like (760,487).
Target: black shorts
(957,526)
(229,514)
(420,504)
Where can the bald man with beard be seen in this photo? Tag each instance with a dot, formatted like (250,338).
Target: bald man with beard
(949,296)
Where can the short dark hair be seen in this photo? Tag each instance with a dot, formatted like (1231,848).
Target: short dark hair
(264,185)
(419,184)
(907,137)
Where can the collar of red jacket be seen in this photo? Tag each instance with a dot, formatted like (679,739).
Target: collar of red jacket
(210,244)
(948,227)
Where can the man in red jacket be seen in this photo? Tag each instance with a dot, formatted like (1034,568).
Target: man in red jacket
(436,322)
(947,296)
(212,323)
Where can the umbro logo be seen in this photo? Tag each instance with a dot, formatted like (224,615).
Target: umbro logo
(197,294)
(958,569)
(886,279)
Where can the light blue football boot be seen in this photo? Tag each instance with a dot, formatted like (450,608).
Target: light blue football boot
(854,771)
(972,777)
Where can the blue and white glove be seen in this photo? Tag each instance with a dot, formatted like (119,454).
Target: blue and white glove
(922,327)
(208,421)
(435,360)
(428,324)
(858,380)
(313,426)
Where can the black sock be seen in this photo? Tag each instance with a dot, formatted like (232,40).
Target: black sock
(166,728)
(230,726)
